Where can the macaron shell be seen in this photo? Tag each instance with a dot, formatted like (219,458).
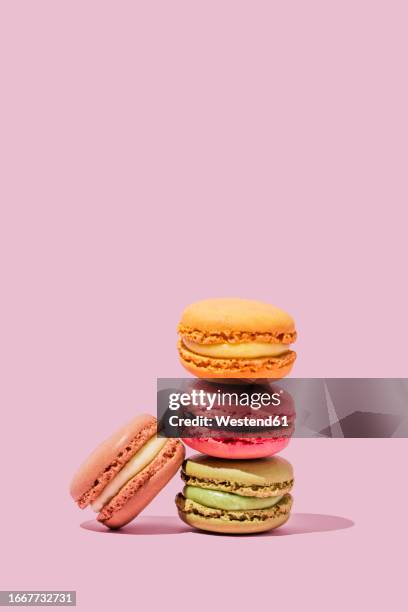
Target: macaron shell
(109,457)
(209,519)
(271,473)
(233,527)
(210,367)
(265,471)
(141,489)
(214,447)
(236,320)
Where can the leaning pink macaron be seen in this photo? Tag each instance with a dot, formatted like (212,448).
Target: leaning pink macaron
(124,473)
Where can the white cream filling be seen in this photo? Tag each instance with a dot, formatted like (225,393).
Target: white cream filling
(245,350)
(135,465)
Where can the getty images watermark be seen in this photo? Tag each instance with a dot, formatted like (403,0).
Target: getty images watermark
(314,407)
(208,400)
(206,409)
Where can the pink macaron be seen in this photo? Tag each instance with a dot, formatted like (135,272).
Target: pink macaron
(126,471)
(237,448)
(233,445)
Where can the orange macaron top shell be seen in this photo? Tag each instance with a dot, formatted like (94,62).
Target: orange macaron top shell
(236,338)
(111,456)
(236,320)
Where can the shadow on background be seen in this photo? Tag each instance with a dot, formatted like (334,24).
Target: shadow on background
(311,523)
(145,525)
(298,523)
(169,525)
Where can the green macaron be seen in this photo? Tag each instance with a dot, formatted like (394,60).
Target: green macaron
(235,496)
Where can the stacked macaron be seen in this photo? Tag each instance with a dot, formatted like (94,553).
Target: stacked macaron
(235,338)
(227,444)
(236,487)
(230,496)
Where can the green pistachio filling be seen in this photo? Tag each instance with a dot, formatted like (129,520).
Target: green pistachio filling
(228,501)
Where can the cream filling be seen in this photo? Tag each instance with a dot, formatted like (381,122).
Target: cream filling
(228,501)
(135,465)
(245,350)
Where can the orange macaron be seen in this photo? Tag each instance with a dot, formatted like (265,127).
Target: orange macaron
(126,471)
(236,338)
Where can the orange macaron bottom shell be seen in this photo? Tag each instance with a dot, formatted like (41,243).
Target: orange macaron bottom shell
(255,368)
(238,448)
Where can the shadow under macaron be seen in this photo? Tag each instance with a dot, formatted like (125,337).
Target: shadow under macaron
(145,525)
(298,523)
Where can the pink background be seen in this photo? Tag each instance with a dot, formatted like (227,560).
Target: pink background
(155,153)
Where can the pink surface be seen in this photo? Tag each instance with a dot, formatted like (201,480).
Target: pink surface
(153,154)
(313,560)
